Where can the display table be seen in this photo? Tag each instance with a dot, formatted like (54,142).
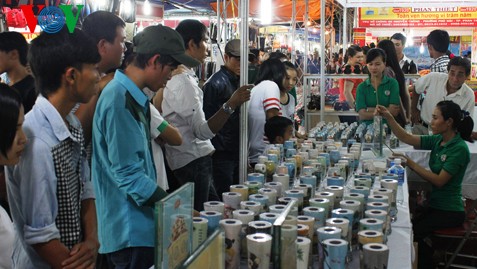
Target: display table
(469,183)
(400,241)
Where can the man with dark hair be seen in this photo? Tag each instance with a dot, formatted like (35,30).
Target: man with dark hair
(278,129)
(217,90)
(109,33)
(399,41)
(13,60)
(438,43)
(441,87)
(123,168)
(182,107)
(50,192)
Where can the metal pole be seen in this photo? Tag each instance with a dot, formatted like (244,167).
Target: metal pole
(293,31)
(243,11)
(219,21)
(322,59)
(226,26)
(345,29)
(306,85)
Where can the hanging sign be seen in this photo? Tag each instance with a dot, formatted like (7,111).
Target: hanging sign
(418,17)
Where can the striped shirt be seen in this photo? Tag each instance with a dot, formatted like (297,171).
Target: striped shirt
(265,96)
(440,65)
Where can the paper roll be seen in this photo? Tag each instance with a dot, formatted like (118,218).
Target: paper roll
(283,178)
(214,206)
(273,157)
(375,256)
(303,246)
(288,144)
(378,198)
(323,203)
(360,189)
(232,229)
(257,177)
(336,251)
(307,170)
(253,186)
(298,194)
(392,201)
(341,223)
(291,167)
(318,213)
(338,191)
(231,201)
(276,208)
(213,218)
(199,234)
(289,153)
(378,205)
(351,205)
(253,206)
(270,193)
(259,250)
(388,183)
(335,181)
(376,214)
(369,236)
(259,226)
(259,168)
(303,230)
(371,224)
(361,181)
(242,189)
(307,220)
(262,159)
(357,197)
(282,169)
(328,232)
(288,246)
(328,195)
(245,216)
(260,198)
(274,185)
(290,220)
(311,180)
(270,217)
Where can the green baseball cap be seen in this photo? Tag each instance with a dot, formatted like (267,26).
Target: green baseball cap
(163,40)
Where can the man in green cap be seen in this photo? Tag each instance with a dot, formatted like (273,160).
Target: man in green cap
(123,167)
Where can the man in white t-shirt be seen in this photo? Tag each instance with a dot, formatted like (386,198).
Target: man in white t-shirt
(439,87)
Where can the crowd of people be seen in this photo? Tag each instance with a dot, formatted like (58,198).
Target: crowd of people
(88,153)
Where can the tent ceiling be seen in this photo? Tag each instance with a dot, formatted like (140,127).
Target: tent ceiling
(281,10)
(406,3)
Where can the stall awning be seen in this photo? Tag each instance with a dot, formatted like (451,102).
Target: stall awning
(281,10)
(405,3)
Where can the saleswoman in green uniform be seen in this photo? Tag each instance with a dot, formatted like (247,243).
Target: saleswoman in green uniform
(449,159)
(378,89)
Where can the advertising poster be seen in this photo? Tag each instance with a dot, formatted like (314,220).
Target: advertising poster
(174,228)
(418,17)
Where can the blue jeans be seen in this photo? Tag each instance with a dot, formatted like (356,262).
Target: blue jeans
(199,171)
(131,258)
(226,170)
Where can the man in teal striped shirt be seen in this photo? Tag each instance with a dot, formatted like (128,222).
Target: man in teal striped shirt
(123,169)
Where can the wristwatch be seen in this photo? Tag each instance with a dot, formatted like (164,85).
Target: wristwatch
(228,109)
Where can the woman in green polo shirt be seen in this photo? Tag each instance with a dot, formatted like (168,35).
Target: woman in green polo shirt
(449,159)
(378,89)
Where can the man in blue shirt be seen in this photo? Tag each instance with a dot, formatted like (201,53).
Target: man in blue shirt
(50,192)
(123,169)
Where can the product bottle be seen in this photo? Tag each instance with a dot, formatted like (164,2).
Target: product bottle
(398,170)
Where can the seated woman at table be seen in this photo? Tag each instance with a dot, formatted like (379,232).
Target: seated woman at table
(378,89)
(450,155)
